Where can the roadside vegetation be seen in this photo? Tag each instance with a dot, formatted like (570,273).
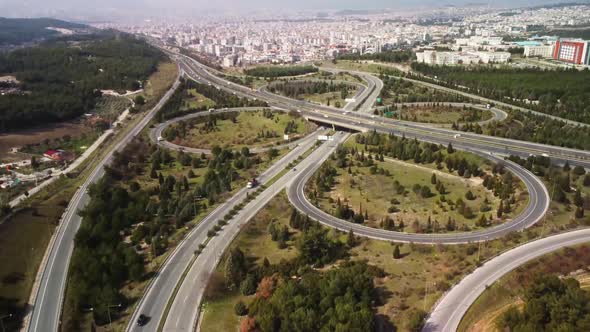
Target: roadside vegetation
(396,90)
(562,92)
(279,71)
(453,191)
(412,278)
(148,199)
(533,295)
(191,97)
(236,130)
(386,56)
(25,232)
(534,128)
(437,113)
(325,93)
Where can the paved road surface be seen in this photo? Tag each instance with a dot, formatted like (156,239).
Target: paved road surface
(184,311)
(535,211)
(48,298)
(156,297)
(448,312)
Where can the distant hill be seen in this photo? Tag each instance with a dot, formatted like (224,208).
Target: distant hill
(15,31)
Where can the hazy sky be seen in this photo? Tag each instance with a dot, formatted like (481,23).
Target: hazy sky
(151,7)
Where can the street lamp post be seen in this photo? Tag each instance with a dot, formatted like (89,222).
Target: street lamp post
(109,313)
(2,321)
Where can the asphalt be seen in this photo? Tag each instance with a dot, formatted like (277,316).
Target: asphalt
(538,204)
(48,299)
(185,308)
(448,312)
(156,298)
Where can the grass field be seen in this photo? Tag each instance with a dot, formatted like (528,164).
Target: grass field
(326,99)
(198,100)
(444,114)
(159,83)
(357,189)
(249,130)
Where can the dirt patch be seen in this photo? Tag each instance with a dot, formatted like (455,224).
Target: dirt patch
(472,181)
(488,322)
(37,135)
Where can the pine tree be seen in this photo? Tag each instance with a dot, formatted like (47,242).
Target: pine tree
(351,239)
(396,253)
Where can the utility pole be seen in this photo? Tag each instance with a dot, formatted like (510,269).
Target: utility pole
(109,314)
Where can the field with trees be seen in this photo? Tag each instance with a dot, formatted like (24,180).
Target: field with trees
(279,71)
(564,92)
(438,113)
(191,97)
(59,80)
(462,195)
(396,91)
(534,128)
(386,56)
(144,205)
(236,130)
(25,232)
(325,93)
(15,31)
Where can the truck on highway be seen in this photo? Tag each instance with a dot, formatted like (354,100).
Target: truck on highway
(160,138)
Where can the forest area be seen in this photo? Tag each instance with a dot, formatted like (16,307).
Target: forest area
(386,56)
(61,79)
(280,71)
(563,92)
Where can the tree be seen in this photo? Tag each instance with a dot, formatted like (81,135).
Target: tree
(450,149)
(139,100)
(500,209)
(433,179)
(235,267)
(248,286)
(351,239)
(240,309)
(396,253)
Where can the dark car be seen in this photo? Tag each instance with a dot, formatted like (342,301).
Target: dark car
(142,320)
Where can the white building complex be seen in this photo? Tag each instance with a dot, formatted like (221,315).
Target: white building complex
(465,58)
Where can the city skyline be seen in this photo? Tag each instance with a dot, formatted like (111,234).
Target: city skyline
(139,9)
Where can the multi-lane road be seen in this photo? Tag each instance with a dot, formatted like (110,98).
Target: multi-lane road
(47,299)
(184,296)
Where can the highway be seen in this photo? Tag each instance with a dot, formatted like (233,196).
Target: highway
(185,308)
(448,312)
(156,297)
(183,316)
(47,298)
